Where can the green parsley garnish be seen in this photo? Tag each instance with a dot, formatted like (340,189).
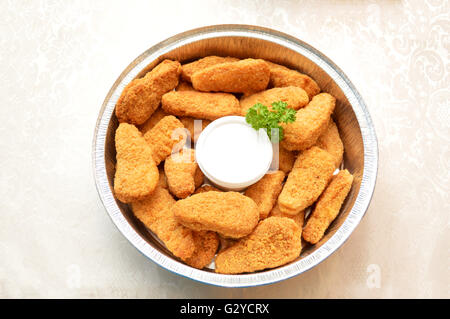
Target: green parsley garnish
(259,116)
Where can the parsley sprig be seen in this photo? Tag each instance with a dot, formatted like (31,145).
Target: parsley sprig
(259,116)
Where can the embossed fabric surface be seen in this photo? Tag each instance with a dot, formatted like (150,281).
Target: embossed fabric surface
(58,60)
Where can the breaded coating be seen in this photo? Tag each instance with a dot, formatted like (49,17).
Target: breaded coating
(206,245)
(274,242)
(190,68)
(310,175)
(295,98)
(184,86)
(152,120)
(182,173)
(200,105)
(327,207)
(141,97)
(165,137)
(265,192)
(244,76)
(206,188)
(190,123)
(136,172)
(162,182)
(299,218)
(286,159)
(310,122)
(155,212)
(331,142)
(281,76)
(231,214)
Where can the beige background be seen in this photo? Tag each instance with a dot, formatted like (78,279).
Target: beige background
(58,59)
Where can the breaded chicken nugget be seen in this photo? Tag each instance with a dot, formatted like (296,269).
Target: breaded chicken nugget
(136,172)
(294,96)
(310,122)
(299,218)
(141,97)
(184,86)
(152,120)
(155,212)
(165,137)
(265,192)
(331,142)
(206,245)
(201,105)
(190,68)
(328,206)
(286,159)
(162,182)
(281,76)
(182,173)
(206,188)
(245,76)
(231,214)
(310,175)
(275,242)
(190,124)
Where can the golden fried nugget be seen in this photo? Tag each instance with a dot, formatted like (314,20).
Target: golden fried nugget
(162,182)
(206,188)
(327,207)
(194,131)
(165,137)
(331,142)
(206,245)
(310,122)
(182,173)
(231,214)
(244,76)
(184,86)
(295,98)
(152,120)
(280,76)
(297,218)
(155,213)
(200,105)
(141,97)
(310,175)
(265,192)
(136,172)
(274,242)
(190,68)
(286,159)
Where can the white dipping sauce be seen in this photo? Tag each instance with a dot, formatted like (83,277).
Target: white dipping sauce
(232,154)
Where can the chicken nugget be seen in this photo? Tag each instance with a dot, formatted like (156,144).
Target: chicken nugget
(281,76)
(141,97)
(274,242)
(244,76)
(331,142)
(162,182)
(155,213)
(190,68)
(190,124)
(295,98)
(136,172)
(206,188)
(206,245)
(286,159)
(166,136)
(310,122)
(299,218)
(328,207)
(265,192)
(310,175)
(230,214)
(184,86)
(182,173)
(200,105)
(152,120)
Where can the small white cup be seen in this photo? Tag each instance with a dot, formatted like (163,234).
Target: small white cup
(232,154)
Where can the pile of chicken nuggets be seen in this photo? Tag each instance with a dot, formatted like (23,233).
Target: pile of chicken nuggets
(260,228)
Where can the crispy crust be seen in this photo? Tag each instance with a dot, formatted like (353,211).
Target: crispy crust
(286,159)
(311,173)
(190,68)
(206,245)
(154,212)
(206,188)
(136,172)
(331,142)
(231,214)
(189,123)
(200,105)
(310,122)
(299,218)
(245,76)
(275,242)
(294,96)
(265,192)
(157,116)
(141,97)
(328,207)
(184,86)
